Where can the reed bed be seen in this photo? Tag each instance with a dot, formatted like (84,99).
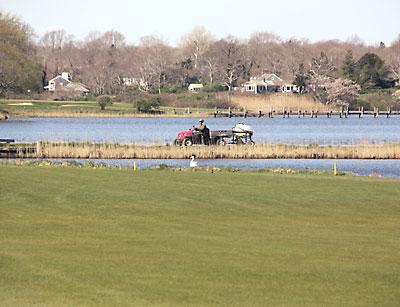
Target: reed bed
(119,151)
(278,102)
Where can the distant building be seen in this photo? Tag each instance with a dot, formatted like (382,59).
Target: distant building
(195,87)
(269,83)
(62,84)
(127,81)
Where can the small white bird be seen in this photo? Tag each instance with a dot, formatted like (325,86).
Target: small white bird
(192,162)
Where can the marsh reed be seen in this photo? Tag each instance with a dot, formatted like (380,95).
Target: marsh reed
(120,151)
(278,102)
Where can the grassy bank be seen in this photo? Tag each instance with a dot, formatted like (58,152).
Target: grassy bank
(106,237)
(117,151)
(48,108)
(201,104)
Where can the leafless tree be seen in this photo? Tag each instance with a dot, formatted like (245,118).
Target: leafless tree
(156,59)
(196,43)
(230,60)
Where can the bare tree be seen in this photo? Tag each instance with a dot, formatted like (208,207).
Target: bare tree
(393,57)
(196,43)
(157,58)
(211,60)
(54,51)
(101,62)
(230,60)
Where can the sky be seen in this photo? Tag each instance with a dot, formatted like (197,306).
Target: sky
(372,21)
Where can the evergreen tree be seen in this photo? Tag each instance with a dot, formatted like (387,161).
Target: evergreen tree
(349,66)
(371,71)
(301,77)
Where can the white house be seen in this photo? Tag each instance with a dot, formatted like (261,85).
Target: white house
(63,84)
(291,88)
(269,83)
(194,87)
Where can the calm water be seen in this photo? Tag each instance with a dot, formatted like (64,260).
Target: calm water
(385,168)
(322,130)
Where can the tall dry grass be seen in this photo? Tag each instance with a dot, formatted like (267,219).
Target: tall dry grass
(117,151)
(278,102)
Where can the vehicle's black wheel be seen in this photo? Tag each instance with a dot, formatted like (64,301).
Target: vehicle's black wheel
(221,142)
(177,142)
(240,141)
(251,143)
(187,142)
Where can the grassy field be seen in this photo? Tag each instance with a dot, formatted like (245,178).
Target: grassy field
(73,236)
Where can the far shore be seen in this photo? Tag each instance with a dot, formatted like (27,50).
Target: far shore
(104,115)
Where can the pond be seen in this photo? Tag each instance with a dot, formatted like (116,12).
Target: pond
(145,131)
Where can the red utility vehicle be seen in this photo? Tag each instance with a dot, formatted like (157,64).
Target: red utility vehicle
(239,134)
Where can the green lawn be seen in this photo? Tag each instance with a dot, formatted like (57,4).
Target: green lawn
(71,236)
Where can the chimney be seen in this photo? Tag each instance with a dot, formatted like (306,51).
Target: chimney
(65,75)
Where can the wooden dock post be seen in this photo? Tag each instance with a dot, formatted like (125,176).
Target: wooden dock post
(389,111)
(245,113)
(38,149)
(376,112)
(229,112)
(346,113)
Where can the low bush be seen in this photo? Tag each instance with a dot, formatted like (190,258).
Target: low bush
(213,88)
(104,101)
(148,105)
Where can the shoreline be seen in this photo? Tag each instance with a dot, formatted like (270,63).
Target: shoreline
(105,115)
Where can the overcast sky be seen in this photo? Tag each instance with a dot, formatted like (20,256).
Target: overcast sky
(372,21)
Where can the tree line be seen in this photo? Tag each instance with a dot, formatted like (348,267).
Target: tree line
(102,60)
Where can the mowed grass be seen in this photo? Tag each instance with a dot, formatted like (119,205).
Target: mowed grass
(71,236)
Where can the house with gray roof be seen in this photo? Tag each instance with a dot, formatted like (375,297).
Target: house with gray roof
(62,84)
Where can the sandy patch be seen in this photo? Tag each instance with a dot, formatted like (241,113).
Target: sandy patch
(21,104)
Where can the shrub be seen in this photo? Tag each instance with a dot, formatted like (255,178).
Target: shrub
(104,101)
(212,88)
(148,105)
